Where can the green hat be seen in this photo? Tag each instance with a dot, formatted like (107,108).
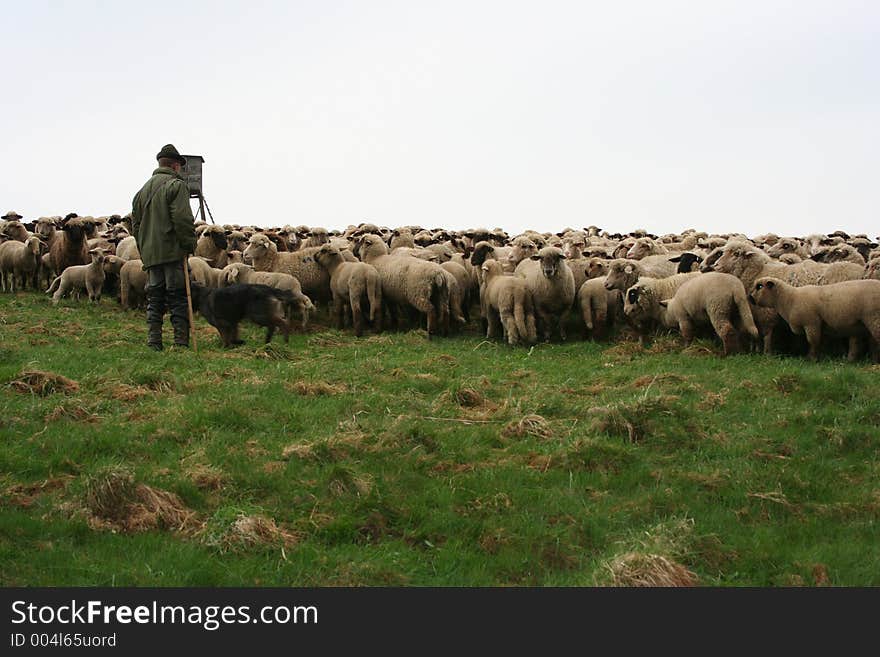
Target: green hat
(171,153)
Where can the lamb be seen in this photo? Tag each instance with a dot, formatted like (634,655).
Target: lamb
(132,284)
(408,281)
(45,229)
(89,277)
(127,249)
(508,301)
(264,256)
(68,246)
(849,308)
(598,306)
(623,273)
(233,257)
(203,273)
(551,283)
(352,284)
(212,245)
(717,299)
(19,261)
(641,303)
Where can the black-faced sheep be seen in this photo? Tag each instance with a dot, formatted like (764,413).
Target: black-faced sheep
(212,245)
(641,301)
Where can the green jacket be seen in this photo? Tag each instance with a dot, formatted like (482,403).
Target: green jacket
(162,220)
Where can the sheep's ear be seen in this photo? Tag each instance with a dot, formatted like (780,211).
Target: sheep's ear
(675,259)
(485,266)
(586,254)
(562,256)
(665,303)
(535,257)
(770,285)
(629,269)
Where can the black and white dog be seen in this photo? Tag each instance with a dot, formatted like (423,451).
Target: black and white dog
(225,307)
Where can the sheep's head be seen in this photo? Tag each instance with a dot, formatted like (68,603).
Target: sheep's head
(14,230)
(258,248)
(34,244)
(492,268)
(551,258)
(235,273)
(638,302)
(98,256)
(318,236)
(764,292)
(643,247)
(785,245)
(218,237)
(621,275)
(236,240)
(371,246)
(482,251)
(736,258)
(522,248)
(234,257)
(687,262)
(74,228)
(596,267)
(327,254)
(45,227)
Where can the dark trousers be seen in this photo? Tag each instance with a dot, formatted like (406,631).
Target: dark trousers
(166,290)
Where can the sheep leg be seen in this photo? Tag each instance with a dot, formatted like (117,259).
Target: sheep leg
(814,337)
(563,318)
(357,319)
(509,324)
(338,311)
(855,348)
(492,322)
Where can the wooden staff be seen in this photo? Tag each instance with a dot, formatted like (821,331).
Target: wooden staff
(189,304)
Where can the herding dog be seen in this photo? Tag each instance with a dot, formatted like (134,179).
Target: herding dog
(225,307)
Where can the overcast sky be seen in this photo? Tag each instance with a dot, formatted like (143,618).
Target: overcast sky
(724,116)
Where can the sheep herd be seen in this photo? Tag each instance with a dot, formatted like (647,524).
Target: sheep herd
(750,293)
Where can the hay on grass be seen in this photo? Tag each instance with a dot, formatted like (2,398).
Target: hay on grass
(633,420)
(43,383)
(115,501)
(529,425)
(642,569)
(316,388)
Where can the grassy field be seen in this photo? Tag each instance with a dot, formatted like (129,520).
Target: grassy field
(392,460)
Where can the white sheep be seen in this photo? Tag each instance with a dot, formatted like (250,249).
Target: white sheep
(88,277)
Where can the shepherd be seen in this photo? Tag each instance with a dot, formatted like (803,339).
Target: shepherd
(164,227)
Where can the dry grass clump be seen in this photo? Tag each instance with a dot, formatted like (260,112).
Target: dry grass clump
(127,393)
(239,529)
(665,377)
(316,388)
(633,420)
(25,495)
(43,383)
(344,481)
(638,569)
(115,501)
(529,425)
(71,411)
(206,477)
(468,397)
(334,448)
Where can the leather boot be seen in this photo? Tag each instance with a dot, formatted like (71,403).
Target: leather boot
(155,313)
(179,310)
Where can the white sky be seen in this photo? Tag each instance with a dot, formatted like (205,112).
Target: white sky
(724,116)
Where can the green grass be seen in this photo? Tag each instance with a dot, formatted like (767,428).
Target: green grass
(393,460)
